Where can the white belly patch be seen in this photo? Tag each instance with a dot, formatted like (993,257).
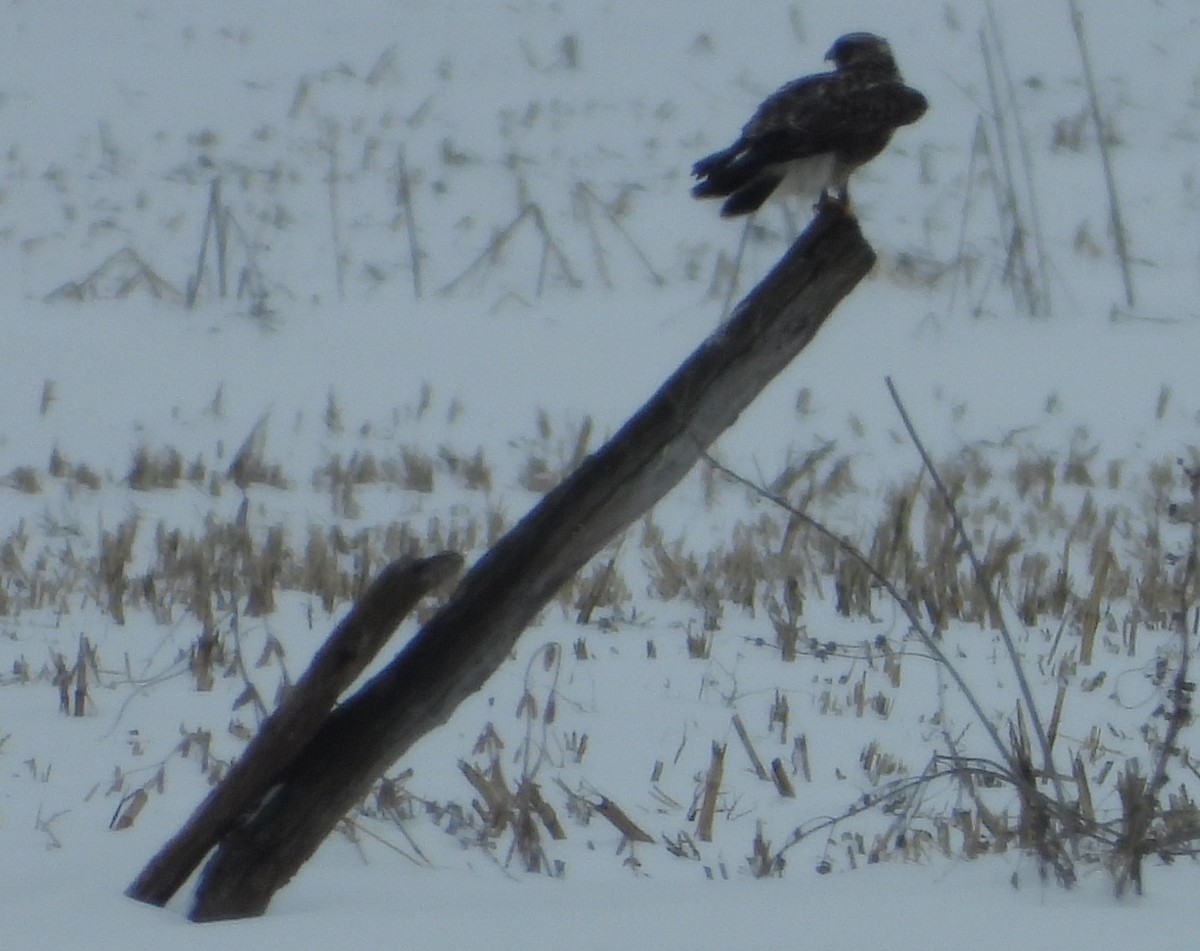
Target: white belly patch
(808,176)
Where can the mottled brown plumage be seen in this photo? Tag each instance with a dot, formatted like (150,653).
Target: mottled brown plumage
(813,132)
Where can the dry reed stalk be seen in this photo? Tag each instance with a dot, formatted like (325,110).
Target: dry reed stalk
(1110,182)
(759,770)
(49,396)
(62,680)
(785,619)
(993,604)
(1137,815)
(589,199)
(699,643)
(81,683)
(1016,266)
(630,830)
(531,792)
(782,783)
(800,752)
(129,808)
(762,862)
(1139,795)
(1041,289)
(497,800)
(551,251)
(779,714)
(736,267)
(1091,612)
(1056,715)
(404,201)
(329,144)
(712,787)
(203,659)
(597,592)
(1079,773)
(216,224)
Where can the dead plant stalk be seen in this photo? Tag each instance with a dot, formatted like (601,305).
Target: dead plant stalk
(990,595)
(1110,181)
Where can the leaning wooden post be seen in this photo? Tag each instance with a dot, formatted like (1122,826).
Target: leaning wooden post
(343,656)
(473,633)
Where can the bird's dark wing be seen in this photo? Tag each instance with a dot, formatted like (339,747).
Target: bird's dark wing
(779,124)
(827,113)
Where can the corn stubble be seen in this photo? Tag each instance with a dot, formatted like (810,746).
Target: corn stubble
(1088,575)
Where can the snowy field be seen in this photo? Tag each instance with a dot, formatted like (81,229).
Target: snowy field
(412,259)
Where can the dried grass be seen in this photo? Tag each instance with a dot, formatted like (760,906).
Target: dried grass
(1087,574)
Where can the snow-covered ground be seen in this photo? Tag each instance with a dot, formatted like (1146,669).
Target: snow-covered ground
(462,228)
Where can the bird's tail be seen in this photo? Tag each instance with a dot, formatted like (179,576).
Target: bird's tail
(750,197)
(723,173)
(733,174)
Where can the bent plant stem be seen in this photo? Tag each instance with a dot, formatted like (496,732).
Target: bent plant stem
(898,789)
(1140,805)
(990,596)
(905,605)
(1181,687)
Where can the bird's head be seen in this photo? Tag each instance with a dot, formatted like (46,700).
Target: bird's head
(856,50)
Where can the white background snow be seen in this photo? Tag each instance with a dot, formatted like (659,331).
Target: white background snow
(114,120)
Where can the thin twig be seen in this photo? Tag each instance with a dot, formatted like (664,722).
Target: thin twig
(419,860)
(895,790)
(211,220)
(988,594)
(404,200)
(330,143)
(1181,688)
(1042,299)
(1017,264)
(731,293)
(550,250)
(492,251)
(978,146)
(584,205)
(904,604)
(1110,181)
(744,736)
(590,197)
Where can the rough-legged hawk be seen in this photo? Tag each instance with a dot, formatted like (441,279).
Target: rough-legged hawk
(811,134)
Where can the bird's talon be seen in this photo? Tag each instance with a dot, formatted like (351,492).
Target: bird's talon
(833,202)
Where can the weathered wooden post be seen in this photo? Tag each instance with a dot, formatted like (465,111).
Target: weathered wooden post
(469,638)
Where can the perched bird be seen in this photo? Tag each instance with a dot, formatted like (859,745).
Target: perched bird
(812,133)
